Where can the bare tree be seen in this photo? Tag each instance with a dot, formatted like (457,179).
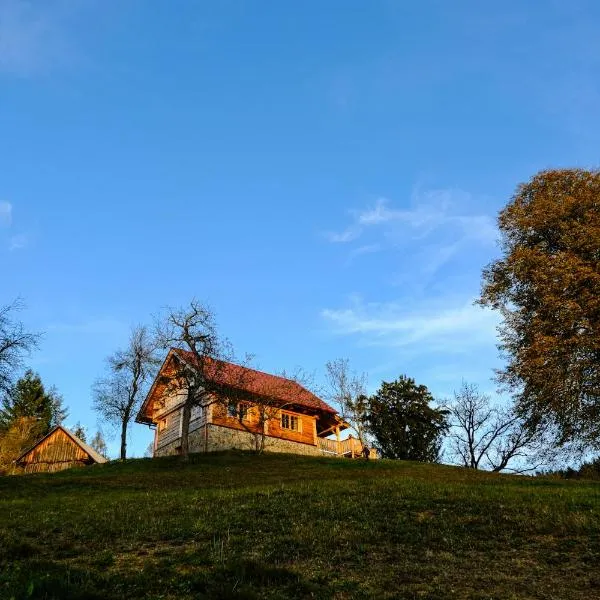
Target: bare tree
(484,436)
(347,390)
(15,342)
(130,371)
(255,411)
(98,443)
(257,400)
(194,330)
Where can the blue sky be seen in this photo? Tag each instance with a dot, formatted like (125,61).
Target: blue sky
(326,175)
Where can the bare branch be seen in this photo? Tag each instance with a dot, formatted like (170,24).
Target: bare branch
(193,330)
(484,436)
(347,391)
(118,395)
(15,343)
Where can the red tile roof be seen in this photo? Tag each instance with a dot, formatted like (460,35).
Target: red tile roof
(258,382)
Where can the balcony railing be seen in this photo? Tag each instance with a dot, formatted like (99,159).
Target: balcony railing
(350,447)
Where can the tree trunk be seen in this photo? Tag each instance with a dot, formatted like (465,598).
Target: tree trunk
(186,413)
(124,439)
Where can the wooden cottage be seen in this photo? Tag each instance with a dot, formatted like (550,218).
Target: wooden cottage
(59,449)
(244,409)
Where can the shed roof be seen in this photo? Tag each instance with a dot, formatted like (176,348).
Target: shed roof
(95,456)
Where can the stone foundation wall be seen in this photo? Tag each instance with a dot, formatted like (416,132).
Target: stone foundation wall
(196,442)
(224,438)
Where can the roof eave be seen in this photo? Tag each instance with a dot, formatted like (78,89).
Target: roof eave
(141,416)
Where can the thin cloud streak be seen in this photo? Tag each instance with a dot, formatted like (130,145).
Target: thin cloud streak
(348,235)
(18,242)
(389,324)
(431,211)
(5,214)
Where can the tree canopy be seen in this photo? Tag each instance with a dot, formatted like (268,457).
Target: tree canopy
(546,286)
(403,423)
(118,395)
(30,398)
(192,328)
(15,343)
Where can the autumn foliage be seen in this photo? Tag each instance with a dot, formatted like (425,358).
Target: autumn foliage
(547,288)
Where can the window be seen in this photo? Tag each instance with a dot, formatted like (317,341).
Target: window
(238,411)
(289,422)
(162,424)
(243,410)
(197,412)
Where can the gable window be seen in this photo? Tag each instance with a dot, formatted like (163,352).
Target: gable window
(162,424)
(232,410)
(290,422)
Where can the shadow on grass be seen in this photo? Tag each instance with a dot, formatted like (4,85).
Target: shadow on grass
(45,580)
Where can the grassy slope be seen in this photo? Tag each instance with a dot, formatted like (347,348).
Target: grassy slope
(241,526)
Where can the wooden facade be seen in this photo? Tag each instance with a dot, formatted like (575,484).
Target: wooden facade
(256,403)
(248,419)
(59,449)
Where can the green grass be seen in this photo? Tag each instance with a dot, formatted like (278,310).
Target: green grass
(243,526)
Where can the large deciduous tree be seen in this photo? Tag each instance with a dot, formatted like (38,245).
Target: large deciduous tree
(15,343)
(403,423)
(118,396)
(193,329)
(546,286)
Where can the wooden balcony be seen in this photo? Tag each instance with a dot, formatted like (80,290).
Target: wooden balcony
(350,447)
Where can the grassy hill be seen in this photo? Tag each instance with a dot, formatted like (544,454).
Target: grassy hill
(242,526)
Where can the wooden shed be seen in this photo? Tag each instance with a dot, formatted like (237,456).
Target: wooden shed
(59,449)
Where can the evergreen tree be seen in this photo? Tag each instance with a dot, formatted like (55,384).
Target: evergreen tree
(79,431)
(29,398)
(403,423)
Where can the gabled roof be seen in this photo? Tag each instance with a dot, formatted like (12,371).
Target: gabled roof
(246,379)
(95,456)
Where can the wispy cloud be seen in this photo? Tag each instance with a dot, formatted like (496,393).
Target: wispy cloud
(18,242)
(348,235)
(35,36)
(5,214)
(380,213)
(452,329)
(366,249)
(430,210)
(437,224)
(9,239)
